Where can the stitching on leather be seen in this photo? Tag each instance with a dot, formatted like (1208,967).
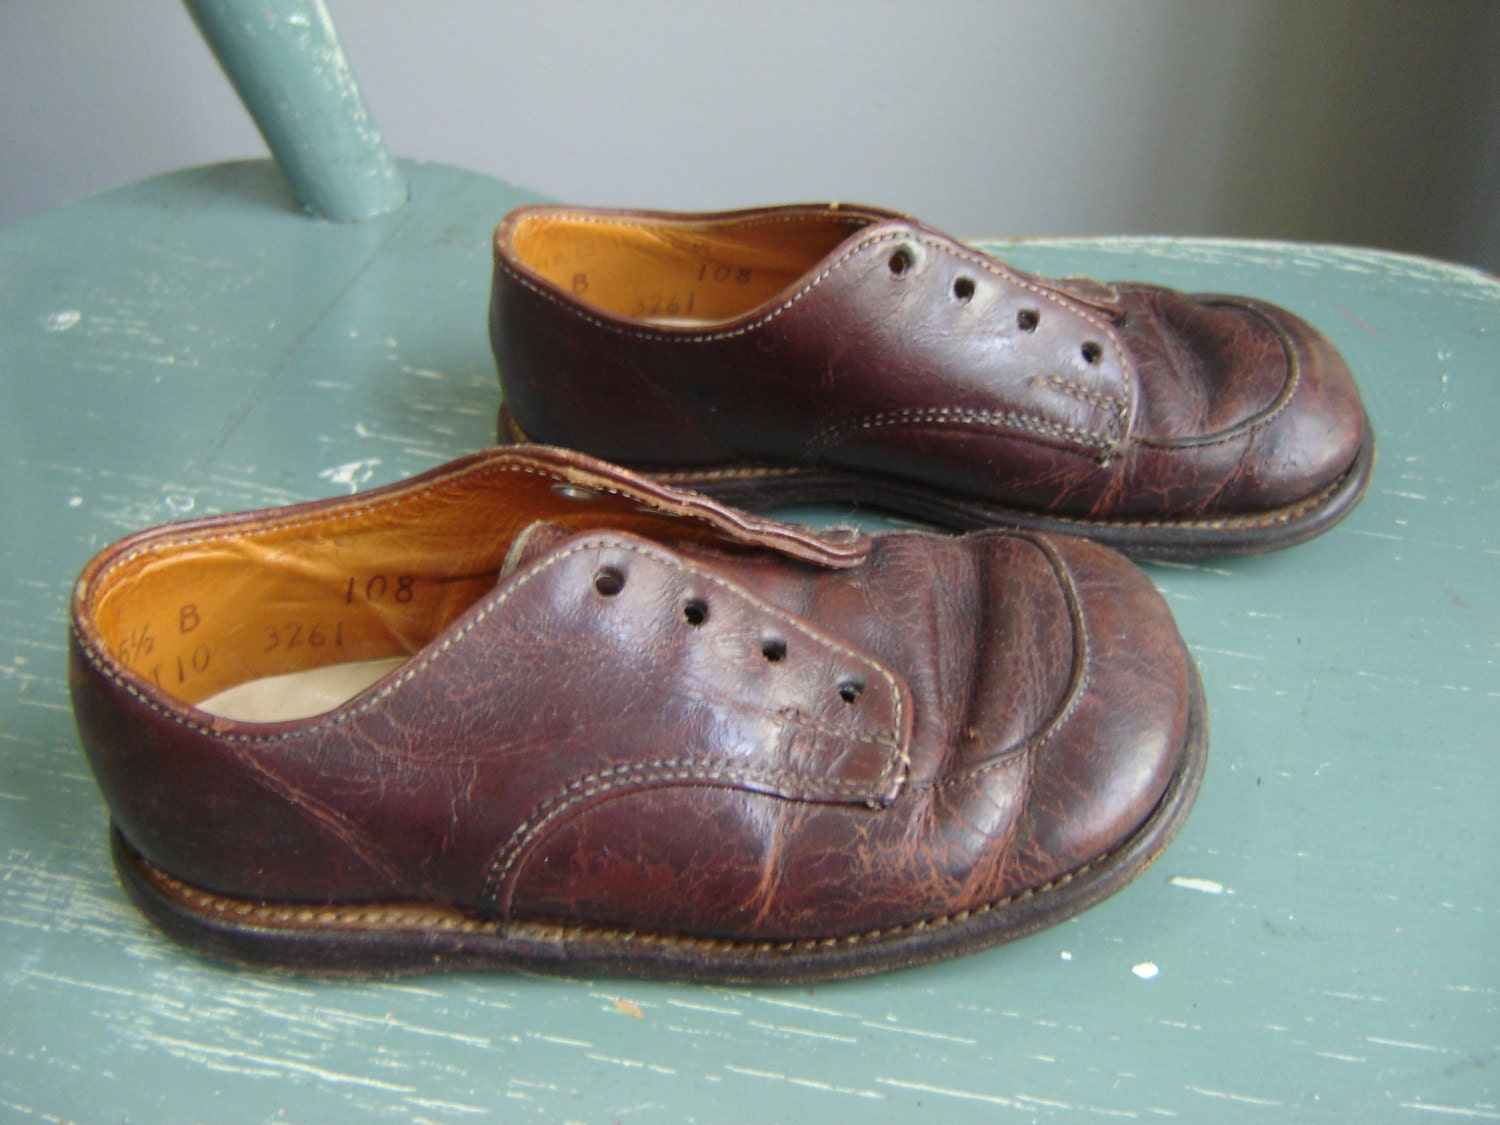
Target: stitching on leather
(593,785)
(1068,304)
(1077,688)
(859,247)
(1083,394)
(1071,305)
(1272,518)
(956,416)
(505,595)
(1294,379)
(853,219)
(255,913)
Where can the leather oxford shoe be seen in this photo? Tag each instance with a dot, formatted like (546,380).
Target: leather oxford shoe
(529,710)
(835,353)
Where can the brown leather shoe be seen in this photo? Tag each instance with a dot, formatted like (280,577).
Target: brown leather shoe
(833,353)
(529,710)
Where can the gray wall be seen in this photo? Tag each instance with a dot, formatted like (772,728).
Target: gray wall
(1373,122)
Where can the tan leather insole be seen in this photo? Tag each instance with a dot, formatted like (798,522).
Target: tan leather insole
(298,695)
(677,274)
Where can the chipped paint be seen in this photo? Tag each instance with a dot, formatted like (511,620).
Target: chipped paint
(1191,883)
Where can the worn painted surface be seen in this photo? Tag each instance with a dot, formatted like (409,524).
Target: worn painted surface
(1322,942)
(284,59)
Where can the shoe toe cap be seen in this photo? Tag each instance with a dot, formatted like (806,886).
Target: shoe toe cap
(1097,767)
(1244,406)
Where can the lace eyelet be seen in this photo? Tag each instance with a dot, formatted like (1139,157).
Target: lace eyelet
(963,290)
(1028,319)
(899,262)
(608,581)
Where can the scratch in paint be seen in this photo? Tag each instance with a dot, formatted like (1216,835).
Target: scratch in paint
(1455,1110)
(1246,1099)
(1408,1046)
(802,1031)
(967,1095)
(203,1052)
(810,1083)
(919,1033)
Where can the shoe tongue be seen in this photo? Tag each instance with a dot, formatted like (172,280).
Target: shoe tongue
(535,541)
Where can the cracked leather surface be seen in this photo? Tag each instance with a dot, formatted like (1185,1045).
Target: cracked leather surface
(673,723)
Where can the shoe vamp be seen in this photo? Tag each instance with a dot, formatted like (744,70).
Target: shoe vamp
(1204,366)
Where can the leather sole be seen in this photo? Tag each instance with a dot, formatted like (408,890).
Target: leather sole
(758,486)
(404,938)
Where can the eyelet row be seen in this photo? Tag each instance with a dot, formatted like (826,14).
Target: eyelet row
(609,582)
(1027,320)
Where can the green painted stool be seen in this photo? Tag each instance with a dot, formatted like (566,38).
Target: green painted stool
(1322,941)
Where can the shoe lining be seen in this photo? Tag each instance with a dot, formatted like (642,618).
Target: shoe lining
(228,614)
(677,274)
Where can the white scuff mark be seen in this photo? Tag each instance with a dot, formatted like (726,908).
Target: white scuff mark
(1066,956)
(704,1008)
(338,1015)
(1227,652)
(1193,883)
(351,473)
(202,1053)
(61,321)
(1227,1096)
(1046,1102)
(1336,1057)
(1408,1046)
(74,501)
(1387,676)
(1454,1110)
(1146,970)
(456,1107)
(422,372)
(967,1095)
(634,1064)
(807,1008)
(178,503)
(1405,495)
(1173,565)
(810,1083)
(919,1033)
(558,1039)
(802,1031)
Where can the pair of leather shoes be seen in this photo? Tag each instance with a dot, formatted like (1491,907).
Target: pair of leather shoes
(534,710)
